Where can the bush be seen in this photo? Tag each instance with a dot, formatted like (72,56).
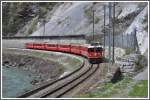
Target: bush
(104,59)
(128,50)
(88,13)
(140,62)
(97,19)
(32,26)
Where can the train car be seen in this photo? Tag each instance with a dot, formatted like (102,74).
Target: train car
(51,47)
(29,45)
(95,54)
(75,49)
(84,51)
(40,46)
(64,47)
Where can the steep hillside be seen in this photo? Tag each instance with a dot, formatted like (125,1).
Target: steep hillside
(16,16)
(76,18)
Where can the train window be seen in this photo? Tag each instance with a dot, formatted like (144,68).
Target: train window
(98,49)
(37,44)
(63,46)
(83,48)
(90,49)
(51,45)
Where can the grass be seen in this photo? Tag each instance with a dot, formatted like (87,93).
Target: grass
(140,89)
(124,88)
(106,89)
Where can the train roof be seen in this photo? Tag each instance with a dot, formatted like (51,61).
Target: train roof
(92,46)
(78,44)
(95,46)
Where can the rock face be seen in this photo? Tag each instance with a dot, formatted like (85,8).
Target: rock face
(72,18)
(77,19)
(131,64)
(140,23)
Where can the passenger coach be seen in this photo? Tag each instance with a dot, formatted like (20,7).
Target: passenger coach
(94,53)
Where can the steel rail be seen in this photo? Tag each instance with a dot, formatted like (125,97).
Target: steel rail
(26,94)
(55,91)
(76,82)
(63,93)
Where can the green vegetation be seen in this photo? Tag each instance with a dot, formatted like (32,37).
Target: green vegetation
(97,19)
(140,62)
(32,26)
(107,89)
(140,89)
(138,66)
(124,88)
(128,51)
(104,59)
(89,14)
(16,15)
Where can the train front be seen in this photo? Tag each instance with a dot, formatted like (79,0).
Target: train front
(95,54)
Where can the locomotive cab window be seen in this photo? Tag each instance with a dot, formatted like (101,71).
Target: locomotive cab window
(98,49)
(90,49)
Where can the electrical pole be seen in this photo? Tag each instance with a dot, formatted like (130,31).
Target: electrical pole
(113,53)
(127,41)
(122,40)
(110,24)
(135,41)
(104,28)
(93,24)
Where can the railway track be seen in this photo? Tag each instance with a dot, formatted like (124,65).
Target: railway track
(59,87)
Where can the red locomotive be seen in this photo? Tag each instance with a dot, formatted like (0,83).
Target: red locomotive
(93,53)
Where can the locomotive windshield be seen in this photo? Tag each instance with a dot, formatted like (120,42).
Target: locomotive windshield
(90,49)
(98,49)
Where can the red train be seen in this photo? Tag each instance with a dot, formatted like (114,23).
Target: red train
(93,53)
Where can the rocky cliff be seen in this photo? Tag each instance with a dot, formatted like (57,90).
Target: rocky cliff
(76,18)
